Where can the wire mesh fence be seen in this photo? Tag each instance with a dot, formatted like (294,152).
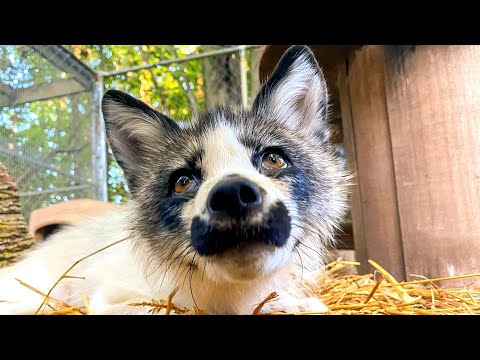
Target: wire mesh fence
(50,116)
(182,87)
(45,132)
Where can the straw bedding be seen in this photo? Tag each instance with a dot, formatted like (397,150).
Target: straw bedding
(342,291)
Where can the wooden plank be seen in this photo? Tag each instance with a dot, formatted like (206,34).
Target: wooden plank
(381,240)
(14,238)
(349,144)
(40,92)
(6,90)
(5,94)
(345,237)
(433,95)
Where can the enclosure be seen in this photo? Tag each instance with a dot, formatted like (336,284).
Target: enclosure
(51,130)
(410,124)
(407,117)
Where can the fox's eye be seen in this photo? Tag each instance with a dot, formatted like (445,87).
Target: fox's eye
(183,184)
(272,161)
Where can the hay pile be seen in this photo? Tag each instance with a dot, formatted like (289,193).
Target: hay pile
(368,294)
(343,292)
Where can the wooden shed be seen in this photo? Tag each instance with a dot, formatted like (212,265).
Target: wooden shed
(409,118)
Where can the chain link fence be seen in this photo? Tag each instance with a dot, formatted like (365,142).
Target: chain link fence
(51,134)
(45,127)
(183,86)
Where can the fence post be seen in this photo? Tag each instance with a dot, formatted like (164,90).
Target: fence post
(243,76)
(99,145)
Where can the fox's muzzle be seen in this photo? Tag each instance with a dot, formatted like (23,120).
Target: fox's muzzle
(232,204)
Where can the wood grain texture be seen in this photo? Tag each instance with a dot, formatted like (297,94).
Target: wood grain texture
(349,144)
(377,229)
(433,97)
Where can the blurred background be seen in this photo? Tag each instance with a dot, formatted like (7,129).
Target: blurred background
(51,132)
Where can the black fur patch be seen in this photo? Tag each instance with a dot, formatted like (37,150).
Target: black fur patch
(49,230)
(296,175)
(130,101)
(168,213)
(300,187)
(207,239)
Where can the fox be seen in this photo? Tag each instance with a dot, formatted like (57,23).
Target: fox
(239,203)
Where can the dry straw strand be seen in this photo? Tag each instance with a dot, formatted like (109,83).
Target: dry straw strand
(340,289)
(64,308)
(259,307)
(75,264)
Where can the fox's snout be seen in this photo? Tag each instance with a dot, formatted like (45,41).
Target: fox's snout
(237,217)
(234,198)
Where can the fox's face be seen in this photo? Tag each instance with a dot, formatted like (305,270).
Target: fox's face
(240,194)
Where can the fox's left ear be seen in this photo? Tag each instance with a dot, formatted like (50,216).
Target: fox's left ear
(135,133)
(296,94)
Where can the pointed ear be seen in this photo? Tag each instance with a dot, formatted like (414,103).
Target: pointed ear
(135,132)
(296,93)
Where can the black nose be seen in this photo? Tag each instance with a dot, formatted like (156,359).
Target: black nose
(234,197)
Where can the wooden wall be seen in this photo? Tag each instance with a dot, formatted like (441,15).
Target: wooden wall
(410,123)
(411,117)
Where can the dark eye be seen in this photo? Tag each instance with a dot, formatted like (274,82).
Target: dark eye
(272,161)
(183,184)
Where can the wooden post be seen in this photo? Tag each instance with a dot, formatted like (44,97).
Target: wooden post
(433,97)
(367,141)
(411,117)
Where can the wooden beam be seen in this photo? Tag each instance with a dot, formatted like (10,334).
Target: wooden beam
(374,205)
(6,90)
(39,164)
(6,94)
(349,143)
(64,60)
(42,92)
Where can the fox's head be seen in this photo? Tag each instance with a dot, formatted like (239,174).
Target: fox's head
(240,194)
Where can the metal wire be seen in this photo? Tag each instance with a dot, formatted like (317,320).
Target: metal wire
(44,126)
(51,131)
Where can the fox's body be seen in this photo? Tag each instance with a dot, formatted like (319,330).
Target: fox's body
(241,203)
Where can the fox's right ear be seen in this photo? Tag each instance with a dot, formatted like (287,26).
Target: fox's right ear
(295,95)
(133,131)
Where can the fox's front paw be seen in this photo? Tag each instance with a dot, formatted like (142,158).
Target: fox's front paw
(294,305)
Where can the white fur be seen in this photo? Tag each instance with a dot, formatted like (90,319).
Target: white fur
(225,155)
(233,282)
(297,98)
(114,278)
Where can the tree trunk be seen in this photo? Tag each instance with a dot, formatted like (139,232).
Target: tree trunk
(14,238)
